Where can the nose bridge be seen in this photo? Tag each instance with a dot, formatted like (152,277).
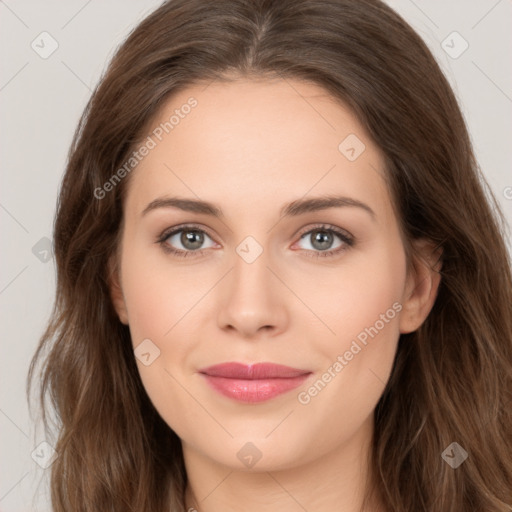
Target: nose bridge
(251,300)
(251,277)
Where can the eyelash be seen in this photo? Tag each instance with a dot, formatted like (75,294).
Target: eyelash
(345,237)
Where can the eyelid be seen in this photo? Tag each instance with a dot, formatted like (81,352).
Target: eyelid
(190,226)
(321,226)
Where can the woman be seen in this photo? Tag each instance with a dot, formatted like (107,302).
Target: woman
(281,279)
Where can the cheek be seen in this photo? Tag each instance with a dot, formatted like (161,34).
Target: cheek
(363,296)
(366,320)
(164,306)
(363,309)
(159,302)
(158,296)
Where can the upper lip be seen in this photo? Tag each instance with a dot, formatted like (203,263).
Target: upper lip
(253,371)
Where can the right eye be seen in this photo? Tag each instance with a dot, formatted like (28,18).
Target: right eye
(190,237)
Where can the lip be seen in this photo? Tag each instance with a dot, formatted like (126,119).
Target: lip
(254,382)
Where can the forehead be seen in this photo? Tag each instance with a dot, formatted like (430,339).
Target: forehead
(257,143)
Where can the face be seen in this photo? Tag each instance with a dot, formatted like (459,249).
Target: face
(267,272)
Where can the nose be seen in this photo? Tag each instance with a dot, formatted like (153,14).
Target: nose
(252,300)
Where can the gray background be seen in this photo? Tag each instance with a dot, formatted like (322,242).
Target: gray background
(41,100)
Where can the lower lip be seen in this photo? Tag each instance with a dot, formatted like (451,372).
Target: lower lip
(254,391)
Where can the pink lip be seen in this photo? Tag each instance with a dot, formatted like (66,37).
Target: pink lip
(253,383)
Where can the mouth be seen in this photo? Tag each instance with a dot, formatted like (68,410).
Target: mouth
(255,382)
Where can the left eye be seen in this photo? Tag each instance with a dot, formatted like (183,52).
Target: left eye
(322,239)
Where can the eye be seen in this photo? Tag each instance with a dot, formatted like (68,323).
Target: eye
(189,237)
(321,240)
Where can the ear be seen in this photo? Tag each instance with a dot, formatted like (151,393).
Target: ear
(116,291)
(422,285)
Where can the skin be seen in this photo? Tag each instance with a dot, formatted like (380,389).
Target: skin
(250,147)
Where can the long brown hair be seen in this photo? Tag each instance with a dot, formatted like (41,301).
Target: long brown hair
(452,378)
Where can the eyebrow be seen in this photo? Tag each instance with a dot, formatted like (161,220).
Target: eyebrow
(295,208)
